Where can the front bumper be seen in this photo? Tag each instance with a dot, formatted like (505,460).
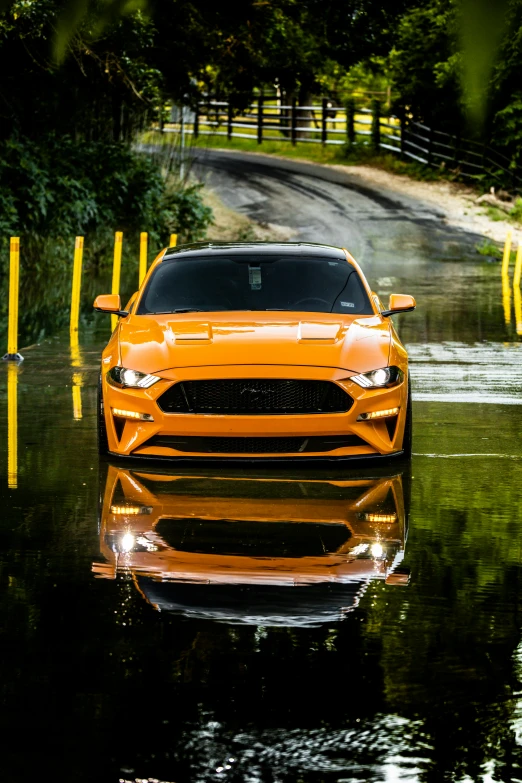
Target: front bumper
(374,438)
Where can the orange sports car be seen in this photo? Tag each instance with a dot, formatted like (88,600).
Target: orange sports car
(245,550)
(255,350)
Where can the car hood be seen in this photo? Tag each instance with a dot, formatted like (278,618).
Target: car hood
(163,342)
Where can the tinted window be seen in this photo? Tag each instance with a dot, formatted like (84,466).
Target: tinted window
(221,283)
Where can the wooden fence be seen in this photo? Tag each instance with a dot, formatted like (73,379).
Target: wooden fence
(268,119)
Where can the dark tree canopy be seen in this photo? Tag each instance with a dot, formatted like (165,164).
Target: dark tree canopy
(103,76)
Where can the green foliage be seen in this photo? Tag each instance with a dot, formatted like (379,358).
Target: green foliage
(423,65)
(106,89)
(490,249)
(516,212)
(56,189)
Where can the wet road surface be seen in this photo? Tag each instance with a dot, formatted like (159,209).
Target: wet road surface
(369,631)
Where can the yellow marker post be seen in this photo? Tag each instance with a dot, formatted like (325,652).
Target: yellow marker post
(507,255)
(12,426)
(506,299)
(143,257)
(77,379)
(173,240)
(12,354)
(518,265)
(77,395)
(116,271)
(76,286)
(518,308)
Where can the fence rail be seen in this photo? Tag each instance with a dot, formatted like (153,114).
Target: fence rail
(269,119)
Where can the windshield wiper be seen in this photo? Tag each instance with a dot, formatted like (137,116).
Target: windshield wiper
(189,310)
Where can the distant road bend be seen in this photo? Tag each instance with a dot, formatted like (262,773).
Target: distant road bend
(327,205)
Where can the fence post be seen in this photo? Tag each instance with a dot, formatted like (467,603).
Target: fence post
(12,354)
(350,121)
(324,132)
(402,125)
(294,121)
(260,119)
(196,120)
(161,119)
(376,124)
(457,148)
(430,146)
(229,120)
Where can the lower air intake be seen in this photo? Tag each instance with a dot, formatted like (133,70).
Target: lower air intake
(242,445)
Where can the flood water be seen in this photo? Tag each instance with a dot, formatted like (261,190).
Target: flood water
(282,625)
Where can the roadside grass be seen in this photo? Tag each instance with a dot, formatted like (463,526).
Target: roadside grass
(490,250)
(356,154)
(346,154)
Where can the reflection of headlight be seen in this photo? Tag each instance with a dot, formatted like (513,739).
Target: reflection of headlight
(131,510)
(127,542)
(360,549)
(130,379)
(387,376)
(377,550)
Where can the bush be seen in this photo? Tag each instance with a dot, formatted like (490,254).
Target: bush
(56,189)
(59,188)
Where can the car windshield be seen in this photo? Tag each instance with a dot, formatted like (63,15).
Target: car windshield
(255,282)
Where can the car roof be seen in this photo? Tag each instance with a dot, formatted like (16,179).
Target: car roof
(255,248)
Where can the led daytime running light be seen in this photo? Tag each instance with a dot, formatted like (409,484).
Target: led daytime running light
(379,379)
(123,378)
(132,415)
(378,414)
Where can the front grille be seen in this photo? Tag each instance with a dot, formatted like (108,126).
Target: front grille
(255,396)
(252,538)
(242,445)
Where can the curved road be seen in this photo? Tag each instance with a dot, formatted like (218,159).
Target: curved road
(323,204)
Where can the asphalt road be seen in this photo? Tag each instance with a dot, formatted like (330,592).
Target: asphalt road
(322,204)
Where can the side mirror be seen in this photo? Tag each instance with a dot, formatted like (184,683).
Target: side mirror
(399,303)
(109,303)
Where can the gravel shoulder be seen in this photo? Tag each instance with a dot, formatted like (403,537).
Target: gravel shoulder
(232,226)
(456,200)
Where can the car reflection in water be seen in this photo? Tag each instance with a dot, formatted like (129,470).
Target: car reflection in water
(256,551)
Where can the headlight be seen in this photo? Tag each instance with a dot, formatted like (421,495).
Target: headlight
(387,376)
(130,379)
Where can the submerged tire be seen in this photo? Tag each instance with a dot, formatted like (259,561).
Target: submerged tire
(103,443)
(408,428)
